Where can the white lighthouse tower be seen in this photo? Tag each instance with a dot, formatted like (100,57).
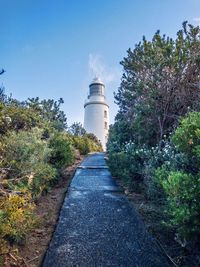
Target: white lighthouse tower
(96,118)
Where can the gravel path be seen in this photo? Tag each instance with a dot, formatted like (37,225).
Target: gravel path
(98,227)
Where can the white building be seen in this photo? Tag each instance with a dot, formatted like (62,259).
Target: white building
(96,117)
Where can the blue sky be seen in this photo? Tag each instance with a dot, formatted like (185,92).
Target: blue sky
(53,48)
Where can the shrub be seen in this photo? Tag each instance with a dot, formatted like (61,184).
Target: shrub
(187,140)
(26,158)
(33,149)
(16,218)
(183,202)
(128,165)
(187,135)
(23,150)
(158,161)
(16,117)
(82,144)
(41,179)
(180,179)
(92,142)
(86,144)
(118,165)
(62,154)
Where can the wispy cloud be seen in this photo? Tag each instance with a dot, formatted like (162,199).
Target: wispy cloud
(197,20)
(98,68)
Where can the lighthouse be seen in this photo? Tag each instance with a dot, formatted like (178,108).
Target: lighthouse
(96,116)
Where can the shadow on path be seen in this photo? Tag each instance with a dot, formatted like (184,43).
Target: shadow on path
(98,227)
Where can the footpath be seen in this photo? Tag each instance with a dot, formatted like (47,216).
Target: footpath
(98,227)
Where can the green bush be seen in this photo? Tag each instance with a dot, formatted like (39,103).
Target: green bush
(15,117)
(187,140)
(180,179)
(82,144)
(62,154)
(23,150)
(128,165)
(159,160)
(159,176)
(118,164)
(34,149)
(86,144)
(16,219)
(41,179)
(187,135)
(183,202)
(92,142)
(26,157)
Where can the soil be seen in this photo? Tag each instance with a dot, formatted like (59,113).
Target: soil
(32,252)
(152,215)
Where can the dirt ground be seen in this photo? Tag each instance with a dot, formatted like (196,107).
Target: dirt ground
(32,252)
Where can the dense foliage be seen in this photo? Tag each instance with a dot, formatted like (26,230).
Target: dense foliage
(182,185)
(83,141)
(35,149)
(77,129)
(154,144)
(159,85)
(86,143)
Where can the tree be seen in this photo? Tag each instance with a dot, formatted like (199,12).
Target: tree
(16,117)
(161,83)
(2,71)
(3,97)
(94,138)
(49,110)
(77,129)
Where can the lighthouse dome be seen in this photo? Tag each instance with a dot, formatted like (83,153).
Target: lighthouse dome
(97,80)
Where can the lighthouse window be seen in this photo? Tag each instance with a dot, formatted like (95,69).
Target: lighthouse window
(96,90)
(105,113)
(105,125)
